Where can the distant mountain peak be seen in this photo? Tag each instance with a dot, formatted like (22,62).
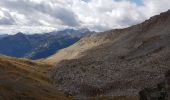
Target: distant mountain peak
(19,33)
(72,32)
(36,46)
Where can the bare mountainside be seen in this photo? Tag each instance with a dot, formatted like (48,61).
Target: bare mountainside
(116,62)
(26,80)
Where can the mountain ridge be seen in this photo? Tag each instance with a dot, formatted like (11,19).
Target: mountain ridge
(37,46)
(107,36)
(126,61)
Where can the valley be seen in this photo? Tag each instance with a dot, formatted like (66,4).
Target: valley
(113,65)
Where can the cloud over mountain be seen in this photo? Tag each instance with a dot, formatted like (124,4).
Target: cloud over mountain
(100,15)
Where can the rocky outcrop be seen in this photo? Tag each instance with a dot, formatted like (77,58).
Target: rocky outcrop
(161,92)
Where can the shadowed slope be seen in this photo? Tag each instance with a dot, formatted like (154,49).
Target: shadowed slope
(38,46)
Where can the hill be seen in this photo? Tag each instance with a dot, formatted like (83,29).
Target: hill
(26,80)
(118,62)
(37,46)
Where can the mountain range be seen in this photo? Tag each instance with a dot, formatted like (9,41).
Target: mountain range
(37,46)
(119,64)
(3,35)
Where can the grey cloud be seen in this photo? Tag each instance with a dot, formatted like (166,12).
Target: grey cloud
(7,19)
(66,16)
(86,0)
(99,28)
(97,15)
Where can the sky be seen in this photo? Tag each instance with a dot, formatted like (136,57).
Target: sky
(39,16)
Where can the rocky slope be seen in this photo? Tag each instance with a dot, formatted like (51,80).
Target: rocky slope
(26,80)
(118,62)
(39,46)
(159,92)
(76,50)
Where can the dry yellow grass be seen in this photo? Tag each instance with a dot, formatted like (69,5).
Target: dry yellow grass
(26,80)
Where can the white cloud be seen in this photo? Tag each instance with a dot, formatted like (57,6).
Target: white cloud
(12,29)
(47,15)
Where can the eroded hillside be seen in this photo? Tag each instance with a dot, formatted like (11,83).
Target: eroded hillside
(117,62)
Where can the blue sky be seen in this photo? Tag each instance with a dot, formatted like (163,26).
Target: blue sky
(39,16)
(139,2)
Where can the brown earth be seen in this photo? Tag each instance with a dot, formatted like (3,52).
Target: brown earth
(26,80)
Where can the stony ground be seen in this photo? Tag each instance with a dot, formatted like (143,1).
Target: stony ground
(117,63)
